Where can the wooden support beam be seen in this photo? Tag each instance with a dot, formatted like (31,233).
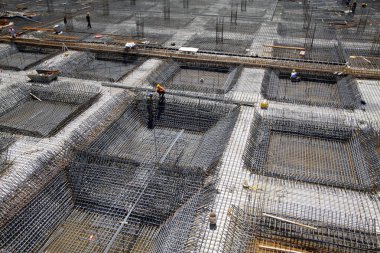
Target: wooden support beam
(64,37)
(35,97)
(286,47)
(27,28)
(221,59)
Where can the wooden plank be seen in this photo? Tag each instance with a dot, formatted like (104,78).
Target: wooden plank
(58,36)
(34,96)
(286,47)
(27,28)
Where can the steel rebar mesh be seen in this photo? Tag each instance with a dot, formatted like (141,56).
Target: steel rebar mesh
(283,225)
(321,152)
(67,62)
(38,169)
(26,232)
(5,142)
(60,102)
(315,90)
(152,199)
(21,58)
(204,124)
(149,197)
(196,77)
(106,68)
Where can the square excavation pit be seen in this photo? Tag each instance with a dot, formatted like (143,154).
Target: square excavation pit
(292,227)
(80,215)
(313,89)
(104,68)
(315,152)
(196,77)
(21,60)
(183,126)
(26,114)
(152,176)
(331,53)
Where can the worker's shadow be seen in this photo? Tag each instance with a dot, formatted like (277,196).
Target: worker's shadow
(160,110)
(160,107)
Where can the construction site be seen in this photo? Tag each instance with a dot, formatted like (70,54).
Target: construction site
(221,126)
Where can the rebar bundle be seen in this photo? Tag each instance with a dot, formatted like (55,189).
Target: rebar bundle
(321,152)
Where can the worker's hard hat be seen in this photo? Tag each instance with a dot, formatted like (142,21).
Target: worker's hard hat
(294,70)
(158,85)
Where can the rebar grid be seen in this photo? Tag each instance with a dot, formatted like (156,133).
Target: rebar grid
(152,194)
(5,142)
(60,102)
(137,237)
(315,90)
(26,232)
(86,229)
(283,225)
(67,62)
(16,59)
(204,125)
(321,152)
(196,77)
(330,17)
(42,168)
(104,70)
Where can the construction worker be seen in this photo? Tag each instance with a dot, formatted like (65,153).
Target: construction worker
(160,90)
(212,220)
(353,7)
(149,108)
(294,76)
(88,20)
(12,32)
(64,20)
